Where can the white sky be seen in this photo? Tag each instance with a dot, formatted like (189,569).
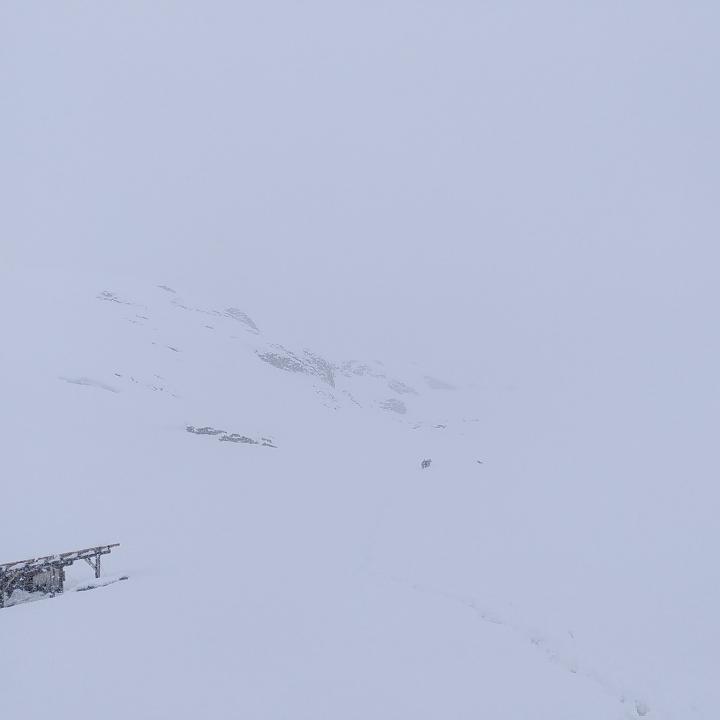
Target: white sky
(477,183)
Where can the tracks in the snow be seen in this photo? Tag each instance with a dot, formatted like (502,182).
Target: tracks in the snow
(633,706)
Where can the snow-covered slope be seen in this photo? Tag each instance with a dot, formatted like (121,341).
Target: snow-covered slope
(317,571)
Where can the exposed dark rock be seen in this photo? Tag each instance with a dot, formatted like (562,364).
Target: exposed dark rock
(234,437)
(401,388)
(242,317)
(352,367)
(310,364)
(394,405)
(322,368)
(289,361)
(177,303)
(112,297)
(90,383)
(204,431)
(231,437)
(352,398)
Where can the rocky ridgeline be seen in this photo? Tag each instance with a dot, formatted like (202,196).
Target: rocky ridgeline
(313,365)
(304,362)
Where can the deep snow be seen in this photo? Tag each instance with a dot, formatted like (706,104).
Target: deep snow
(331,576)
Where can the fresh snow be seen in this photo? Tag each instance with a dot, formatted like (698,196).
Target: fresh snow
(330,576)
(260,260)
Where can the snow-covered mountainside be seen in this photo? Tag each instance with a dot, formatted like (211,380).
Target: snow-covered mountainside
(287,555)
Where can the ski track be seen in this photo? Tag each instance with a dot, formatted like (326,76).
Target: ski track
(634,706)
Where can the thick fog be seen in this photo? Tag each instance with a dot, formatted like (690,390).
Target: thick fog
(513,190)
(518,198)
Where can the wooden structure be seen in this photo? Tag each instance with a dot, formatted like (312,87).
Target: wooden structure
(47,574)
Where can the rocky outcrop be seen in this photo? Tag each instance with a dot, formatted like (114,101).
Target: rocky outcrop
(308,364)
(242,317)
(401,388)
(224,436)
(394,405)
